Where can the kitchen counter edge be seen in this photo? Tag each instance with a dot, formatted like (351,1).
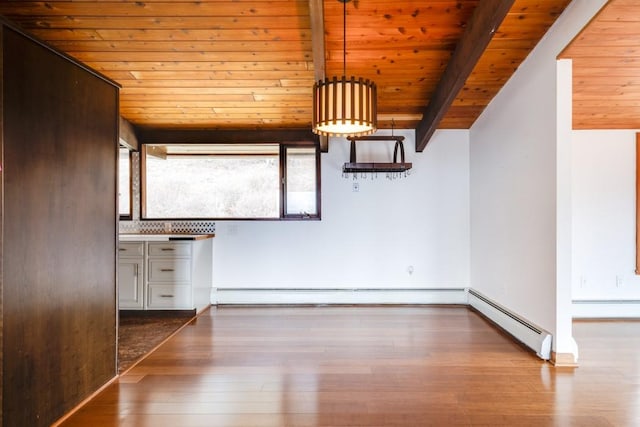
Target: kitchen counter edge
(163,237)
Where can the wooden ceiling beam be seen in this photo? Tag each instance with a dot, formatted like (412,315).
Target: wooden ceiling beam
(128,135)
(484,22)
(197,136)
(316,12)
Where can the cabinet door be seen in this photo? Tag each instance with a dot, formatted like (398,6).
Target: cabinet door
(130,284)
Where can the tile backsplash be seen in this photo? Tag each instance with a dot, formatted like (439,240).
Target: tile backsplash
(173,227)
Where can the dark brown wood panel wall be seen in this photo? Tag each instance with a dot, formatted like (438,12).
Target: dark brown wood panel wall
(1,227)
(60,141)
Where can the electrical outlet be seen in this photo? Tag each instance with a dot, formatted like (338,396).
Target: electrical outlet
(619,281)
(356,187)
(583,282)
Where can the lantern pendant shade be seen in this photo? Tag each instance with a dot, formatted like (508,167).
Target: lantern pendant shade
(344,107)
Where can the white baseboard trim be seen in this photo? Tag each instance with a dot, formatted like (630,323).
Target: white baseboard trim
(521,329)
(230,296)
(606,309)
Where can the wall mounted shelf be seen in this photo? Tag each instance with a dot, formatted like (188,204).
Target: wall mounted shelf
(355,167)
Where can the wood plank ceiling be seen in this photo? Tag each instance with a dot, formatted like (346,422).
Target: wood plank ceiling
(606,69)
(248,64)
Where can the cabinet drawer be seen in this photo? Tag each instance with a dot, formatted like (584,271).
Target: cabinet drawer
(169,296)
(170,249)
(127,249)
(169,270)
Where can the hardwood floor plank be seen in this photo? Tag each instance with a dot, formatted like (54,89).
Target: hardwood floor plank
(369,366)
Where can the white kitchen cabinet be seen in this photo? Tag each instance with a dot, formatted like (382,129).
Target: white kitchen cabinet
(177,274)
(131,276)
(169,266)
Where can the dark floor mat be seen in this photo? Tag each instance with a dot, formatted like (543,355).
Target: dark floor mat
(139,334)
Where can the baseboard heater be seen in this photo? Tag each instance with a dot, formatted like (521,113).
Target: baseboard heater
(522,330)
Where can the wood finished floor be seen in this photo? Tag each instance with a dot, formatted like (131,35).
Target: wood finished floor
(370,366)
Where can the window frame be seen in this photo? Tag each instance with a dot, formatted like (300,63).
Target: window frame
(128,216)
(282,147)
(283,182)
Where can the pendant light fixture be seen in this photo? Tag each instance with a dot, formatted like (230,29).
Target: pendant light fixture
(341,106)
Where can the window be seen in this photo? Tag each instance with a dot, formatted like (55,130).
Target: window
(124,183)
(230,181)
(300,182)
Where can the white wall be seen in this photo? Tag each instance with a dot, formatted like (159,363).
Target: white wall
(604,215)
(366,239)
(513,160)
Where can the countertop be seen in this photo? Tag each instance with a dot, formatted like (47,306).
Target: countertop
(162,237)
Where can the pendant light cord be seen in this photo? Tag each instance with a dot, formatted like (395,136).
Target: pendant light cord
(344,38)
